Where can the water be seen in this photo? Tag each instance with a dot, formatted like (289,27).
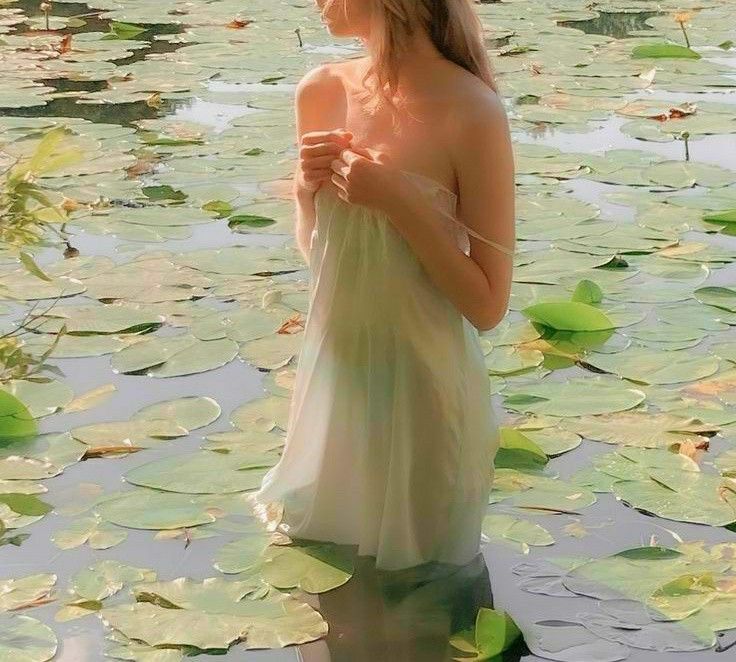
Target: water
(370,618)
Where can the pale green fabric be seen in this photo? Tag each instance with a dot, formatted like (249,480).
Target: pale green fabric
(391,433)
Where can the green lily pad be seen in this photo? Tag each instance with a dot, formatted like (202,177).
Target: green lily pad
(15,419)
(25,591)
(148,509)
(576,397)
(686,496)
(190,412)
(519,532)
(664,50)
(494,632)
(25,639)
(213,614)
(315,568)
(242,555)
(203,472)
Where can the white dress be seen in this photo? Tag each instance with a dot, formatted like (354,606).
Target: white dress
(391,432)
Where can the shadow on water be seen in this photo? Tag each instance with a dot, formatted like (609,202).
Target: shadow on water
(402,616)
(88,20)
(613,24)
(122,114)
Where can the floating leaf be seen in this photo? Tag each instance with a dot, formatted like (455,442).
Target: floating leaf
(213,614)
(665,50)
(15,419)
(495,632)
(314,568)
(512,529)
(25,504)
(24,592)
(25,639)
(243,554)
(569,316)
(190,412)
(147,509)
(203,472)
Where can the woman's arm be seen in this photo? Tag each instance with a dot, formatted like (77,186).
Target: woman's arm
(480,284)
(314,98)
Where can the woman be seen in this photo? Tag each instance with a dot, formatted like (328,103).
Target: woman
(391,433)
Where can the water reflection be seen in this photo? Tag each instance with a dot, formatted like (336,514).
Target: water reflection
(402,616)
(618,25)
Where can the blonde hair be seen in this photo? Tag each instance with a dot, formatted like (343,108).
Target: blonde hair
(452,25)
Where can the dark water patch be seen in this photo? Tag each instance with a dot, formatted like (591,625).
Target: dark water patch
(79,10)
(89,19)
(613,24)
(124,114)
(69,85)
(155,47)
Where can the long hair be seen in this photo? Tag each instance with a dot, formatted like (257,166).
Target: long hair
(453,26)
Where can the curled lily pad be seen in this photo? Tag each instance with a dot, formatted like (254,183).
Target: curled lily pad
(213,614)
(569,316)
(107,577)
(494,632)
(127,434)
(26,592)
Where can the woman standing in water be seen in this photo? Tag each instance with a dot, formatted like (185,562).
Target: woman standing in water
(405,215)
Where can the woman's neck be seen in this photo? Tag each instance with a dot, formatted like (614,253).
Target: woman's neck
(415,67)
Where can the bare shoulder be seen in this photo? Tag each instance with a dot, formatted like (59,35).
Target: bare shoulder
(330,75)
(478,106)
(319,80)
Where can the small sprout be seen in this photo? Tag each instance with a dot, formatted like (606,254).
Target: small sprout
(685,136)
(682,18)
(45,7)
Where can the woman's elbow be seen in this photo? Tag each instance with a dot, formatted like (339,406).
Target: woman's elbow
(487,322)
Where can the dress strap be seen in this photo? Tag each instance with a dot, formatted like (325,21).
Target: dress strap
(475,234)
(472,232)
(453,196)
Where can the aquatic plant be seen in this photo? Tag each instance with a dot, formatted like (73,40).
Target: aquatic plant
(26,208)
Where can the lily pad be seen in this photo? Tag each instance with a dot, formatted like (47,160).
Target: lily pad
(25,639)
(213,614)
(315,568)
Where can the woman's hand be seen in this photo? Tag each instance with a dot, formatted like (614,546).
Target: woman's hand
(317,150)
(367,177)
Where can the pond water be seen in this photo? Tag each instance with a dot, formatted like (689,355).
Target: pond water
(181,146)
